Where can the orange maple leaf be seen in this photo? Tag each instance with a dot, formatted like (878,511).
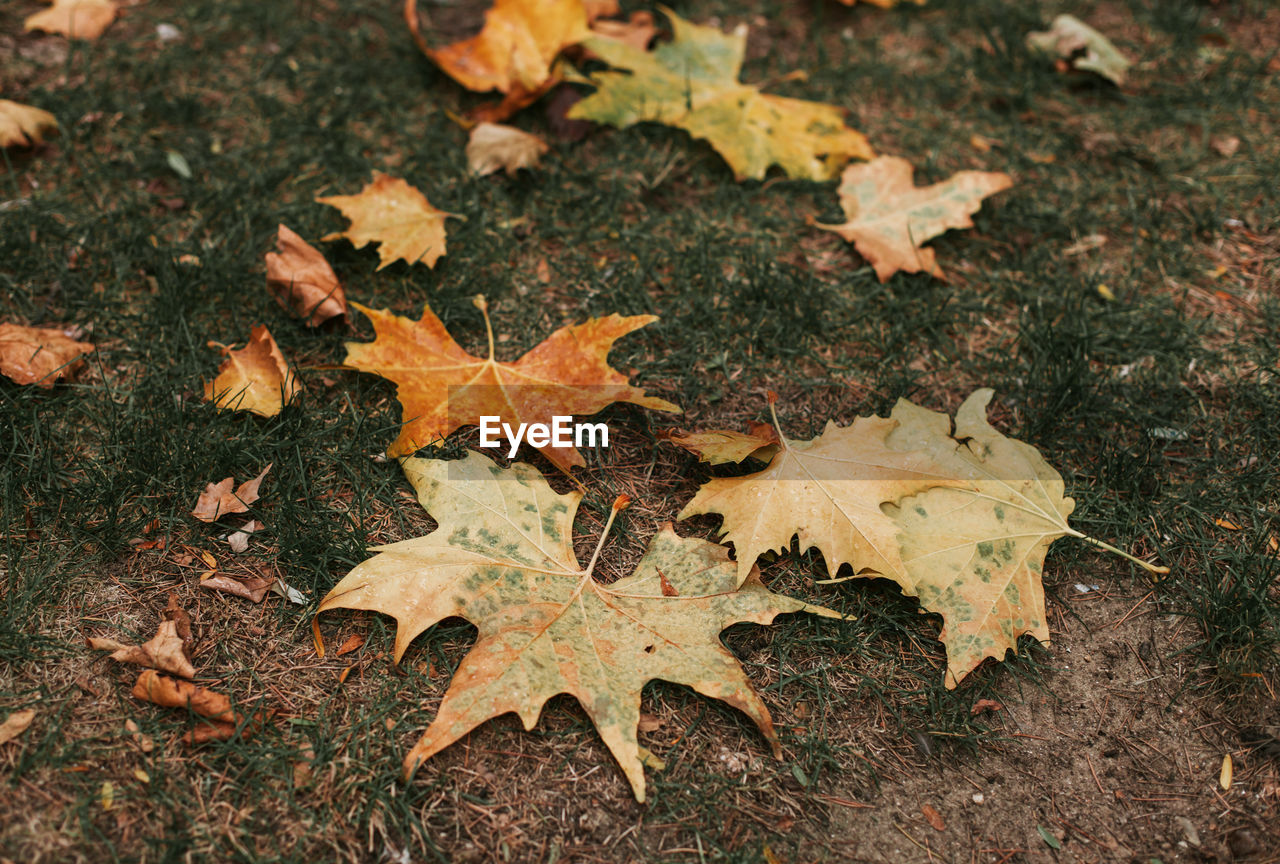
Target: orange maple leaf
(39,355)
(395,215)
(254,378)
(442,388)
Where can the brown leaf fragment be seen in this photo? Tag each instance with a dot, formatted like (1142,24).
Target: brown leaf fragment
(934,818)
(353,643)
(15,724)
(494,147)
(165,651)
(668,590)
(254,378)
(24,126)
(181,621)
(75,19)
(302,281)
(144,742)
(253,589)
(171,693)
(217,500)
(39,355)
(983,705)
(649,722)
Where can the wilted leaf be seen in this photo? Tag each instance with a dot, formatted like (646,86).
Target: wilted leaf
(722,446)
(301,280)
(1084,48)
(218,499)
(493,147)
(39,355)
(15,724)
(441,387)
(502,557)
(214,707)
(253,589)
(78,19)
(692,83)
(889,218)
(396,216)
(166,651)
(24,126)
(254,378)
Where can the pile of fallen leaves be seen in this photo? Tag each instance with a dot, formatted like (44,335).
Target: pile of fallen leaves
(957,514)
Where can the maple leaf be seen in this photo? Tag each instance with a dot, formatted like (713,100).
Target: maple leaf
(502,558)
(827,492)
(513,52)
(40,355)
(889,217)
(218,499)
(167,651)
(77,19)
(302,281)
(441,387)
(493,147)
(1081,47)
(254,378)
(692,83)
(24,126)
(390,212)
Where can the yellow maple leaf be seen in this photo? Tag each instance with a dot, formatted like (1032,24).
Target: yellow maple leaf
(692,83)
(889,217)
(390,212)
(254,378)
(441,387)
(77,19)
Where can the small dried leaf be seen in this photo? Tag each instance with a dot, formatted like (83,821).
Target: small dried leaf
(353,643)
(722,446)
(933,817)
(253,590)
(39,355)
(254,378)
(24,126)
(1081,47)
(15,724)
(493,147)
(301,280)
(1225,775)
(165,651)
(390,212)
(217,500)
(76,19)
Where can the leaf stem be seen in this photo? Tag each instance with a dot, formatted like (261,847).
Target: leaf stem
(619,503)
(782,439)
(483,306)
(1146,565)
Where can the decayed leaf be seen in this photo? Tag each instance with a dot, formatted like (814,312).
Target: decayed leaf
(514,51)
(1083,47)
(301,280)
(254,589)
(396,216)
(166,651)
(828,492)
(167,692)
(502,557)
(889,218)
(254,378)
(441,387)
(218,499)
(24,126)
(39,355)
(722,446)
(692,83)
(78,19)
(15,724)
(493,147)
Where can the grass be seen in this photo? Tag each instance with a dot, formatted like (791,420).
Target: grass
(1158,407)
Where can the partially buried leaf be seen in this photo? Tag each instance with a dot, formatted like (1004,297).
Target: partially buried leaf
(15,724)
(301,280)
(212,706)
(494,147)
(254,378)
(219,499)
(39,355)
(166,651)
(441,387)
(502,558)
(396,216)
(24,126)
(692,83)
(1084,48)
(78,19)
(889,217)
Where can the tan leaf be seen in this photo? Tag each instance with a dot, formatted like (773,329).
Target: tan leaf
(39,355)
(77,19)
(390,212)
(933,817)
(493,147)
(441,387)
(1079,46)
(502,557)
(15,724)
(301,280)
(253,589)
(165,651)
(722,446)
(254,378)
(214,707)
(889,218)
(24,126)
(218,500)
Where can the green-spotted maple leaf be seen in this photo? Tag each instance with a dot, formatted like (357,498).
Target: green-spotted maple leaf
(502,558)
(692,83)
(969,541)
